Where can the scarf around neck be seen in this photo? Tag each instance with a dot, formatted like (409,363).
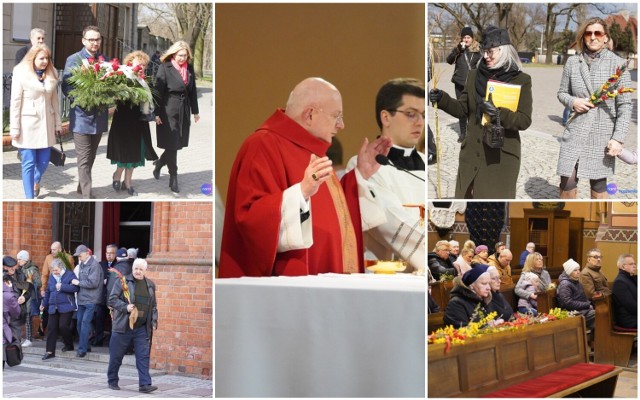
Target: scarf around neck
(182,70)
(484,75)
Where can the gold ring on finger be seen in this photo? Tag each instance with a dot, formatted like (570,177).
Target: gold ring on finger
(315,177)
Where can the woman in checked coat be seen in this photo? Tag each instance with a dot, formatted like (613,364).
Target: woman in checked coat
(595,135)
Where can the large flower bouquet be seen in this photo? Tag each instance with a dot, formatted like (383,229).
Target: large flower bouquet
(609,90)
(487,324)
(99,84)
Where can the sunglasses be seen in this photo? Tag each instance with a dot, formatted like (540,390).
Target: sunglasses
(597,34)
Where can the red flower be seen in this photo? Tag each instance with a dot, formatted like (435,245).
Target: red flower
(115,64)
(604,97)
(129,64)
(141,75)
(96,67)
(100,58)
(137,68)
(119,72)
(91,60)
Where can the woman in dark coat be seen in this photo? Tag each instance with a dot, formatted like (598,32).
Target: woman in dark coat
(177,100)
(129,136)
(483,171)
(570,294)
(60,300)
(471,291)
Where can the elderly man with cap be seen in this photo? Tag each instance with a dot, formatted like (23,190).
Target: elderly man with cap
(439,261)
(122,265)
(570,294)
(489,161)
(473,289)
(23,291)
(90,281)
(465,56)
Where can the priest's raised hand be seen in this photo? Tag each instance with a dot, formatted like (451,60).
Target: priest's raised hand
(316,173)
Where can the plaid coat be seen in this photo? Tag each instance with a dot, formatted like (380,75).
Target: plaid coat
(585,138)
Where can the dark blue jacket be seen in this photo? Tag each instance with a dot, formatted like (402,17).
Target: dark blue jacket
(62,301)
(625,300)
(80,120)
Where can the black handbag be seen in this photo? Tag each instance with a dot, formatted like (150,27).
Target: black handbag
(57,156)
(13,353)
(493,134)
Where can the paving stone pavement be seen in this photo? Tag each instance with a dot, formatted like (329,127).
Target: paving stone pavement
(40,381)
(540,143)
(195,168)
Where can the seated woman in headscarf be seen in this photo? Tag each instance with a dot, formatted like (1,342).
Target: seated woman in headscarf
(471,292)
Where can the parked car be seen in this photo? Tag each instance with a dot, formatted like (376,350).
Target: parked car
(525,60)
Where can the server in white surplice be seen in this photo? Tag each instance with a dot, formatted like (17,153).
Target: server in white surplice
(390,216)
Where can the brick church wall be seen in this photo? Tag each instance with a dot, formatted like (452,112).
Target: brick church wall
(27,226)
(181,265)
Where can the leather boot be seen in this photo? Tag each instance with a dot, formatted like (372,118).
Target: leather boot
(569,194)
(158,166)
(173,183)
(596,195)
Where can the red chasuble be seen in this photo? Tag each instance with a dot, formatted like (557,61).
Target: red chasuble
(271,160)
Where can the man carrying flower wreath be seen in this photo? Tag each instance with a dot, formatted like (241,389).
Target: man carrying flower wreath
(87,126)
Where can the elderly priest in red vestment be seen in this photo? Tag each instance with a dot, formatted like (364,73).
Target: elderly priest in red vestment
(287,213)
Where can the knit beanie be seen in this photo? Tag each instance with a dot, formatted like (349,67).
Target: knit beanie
(474,273)
(23,255)
(570,265)
(466,31)
(481,248)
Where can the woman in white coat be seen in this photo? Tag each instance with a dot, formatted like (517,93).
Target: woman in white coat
(34,116)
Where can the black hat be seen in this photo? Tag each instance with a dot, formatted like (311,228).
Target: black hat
(474,273)
(466,31)
(9,261)
(122,253)
(494,37)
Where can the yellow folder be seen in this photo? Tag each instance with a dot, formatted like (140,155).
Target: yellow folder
(504,95)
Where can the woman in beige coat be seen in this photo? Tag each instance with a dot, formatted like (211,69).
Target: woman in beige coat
(34,115)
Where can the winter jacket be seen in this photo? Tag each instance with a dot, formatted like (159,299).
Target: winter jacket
(593,280)
(500,305)
(439,266)
(118,302)
(545,279)
(22,288)
(527,301)
(462,304)
(10,311)
(63,300)
(464,62)
(91,281)
(625,300)
(570,294)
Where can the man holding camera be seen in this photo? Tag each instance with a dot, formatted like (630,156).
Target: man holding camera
(465,57)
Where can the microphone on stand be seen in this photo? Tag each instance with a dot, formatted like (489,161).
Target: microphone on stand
(384,160)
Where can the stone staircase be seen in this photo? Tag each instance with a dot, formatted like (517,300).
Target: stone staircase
(95,361)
